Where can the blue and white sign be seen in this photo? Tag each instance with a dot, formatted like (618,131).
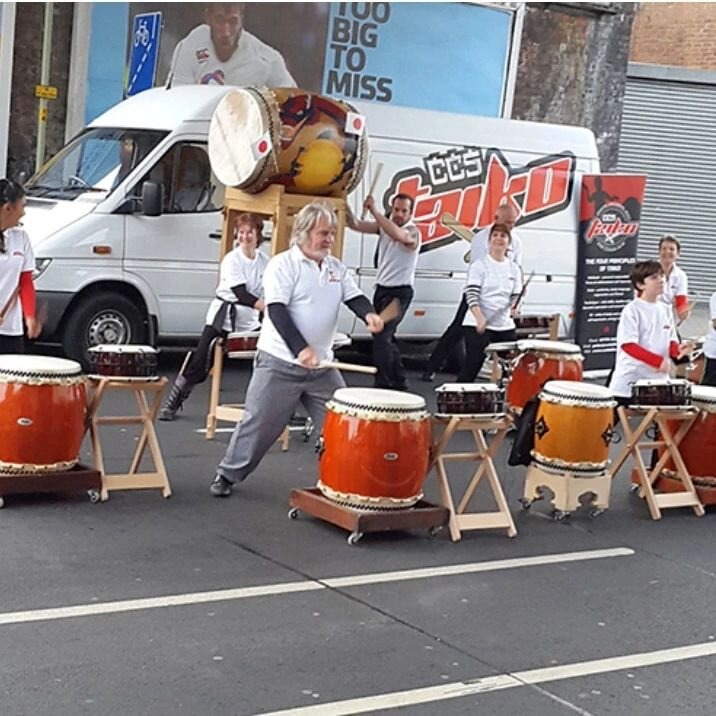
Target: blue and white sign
(146,30)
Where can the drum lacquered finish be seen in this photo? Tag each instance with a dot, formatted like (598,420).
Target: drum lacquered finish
(43,413)
(376,447)
(309,143)
(539,362)
(470,399)
(698,449)
(123,361)
(241,342)
(574,428)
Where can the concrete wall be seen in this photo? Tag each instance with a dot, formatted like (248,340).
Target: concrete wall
(29,22)
(676,34)
(572,68)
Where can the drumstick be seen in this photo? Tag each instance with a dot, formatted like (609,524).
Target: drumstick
(391,311)
(457,227)
(373,184)
(690,308)
(351,367)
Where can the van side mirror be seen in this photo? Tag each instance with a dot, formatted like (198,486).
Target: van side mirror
(152,198)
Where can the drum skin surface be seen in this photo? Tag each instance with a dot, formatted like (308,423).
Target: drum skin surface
(42,420)
(534,368)
(378,460)
(308,143)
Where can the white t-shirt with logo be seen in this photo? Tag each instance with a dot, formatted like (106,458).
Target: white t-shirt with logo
(479,246)
(650,325)
(18,257)
(396,261)
(237,269)
(710,342)
(313,295)
(498,281)
(676,285)
(253,63)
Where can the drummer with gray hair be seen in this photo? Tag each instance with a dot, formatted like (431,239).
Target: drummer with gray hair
(304,288)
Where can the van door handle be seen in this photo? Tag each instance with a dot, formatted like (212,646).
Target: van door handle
(215,235)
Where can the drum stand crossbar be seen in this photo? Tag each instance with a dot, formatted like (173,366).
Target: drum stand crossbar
(688,497)
(422,515)
(460,520)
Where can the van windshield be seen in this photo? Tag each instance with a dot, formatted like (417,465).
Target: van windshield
(97,160)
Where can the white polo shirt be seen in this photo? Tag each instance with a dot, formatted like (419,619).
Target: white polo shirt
(237,269)
(479,246)
(396,261)
(676,285)
(498,280)
(313,295)
(253,63)
(18,257)
(710,342)
(650,325)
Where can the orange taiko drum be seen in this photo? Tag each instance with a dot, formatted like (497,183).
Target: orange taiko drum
(574,428)
(698,449)
(43,413)
(539,362)
(306,142)
(374,448)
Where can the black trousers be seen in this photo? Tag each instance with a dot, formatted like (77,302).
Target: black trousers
(386,356)
(476,343)
(12,344)
(199,364)
(448,341)
(709,377)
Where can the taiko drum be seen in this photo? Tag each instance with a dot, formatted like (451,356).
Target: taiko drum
(43,412)
(375,448)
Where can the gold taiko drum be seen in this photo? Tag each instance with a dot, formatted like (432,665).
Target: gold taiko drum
(308,143)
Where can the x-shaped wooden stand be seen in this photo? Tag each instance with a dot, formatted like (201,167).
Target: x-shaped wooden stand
(635,444)
(484,454)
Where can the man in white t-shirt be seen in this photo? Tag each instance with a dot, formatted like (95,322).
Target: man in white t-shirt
(221,52)
(710,346)
(304,288)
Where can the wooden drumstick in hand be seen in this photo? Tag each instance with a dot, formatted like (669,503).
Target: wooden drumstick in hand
(391,311)
(373,184)
(352,367)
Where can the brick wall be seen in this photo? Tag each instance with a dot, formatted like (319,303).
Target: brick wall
(677,34)
(29,21)
(572,69)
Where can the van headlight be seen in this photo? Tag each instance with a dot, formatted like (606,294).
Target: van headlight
(40,267)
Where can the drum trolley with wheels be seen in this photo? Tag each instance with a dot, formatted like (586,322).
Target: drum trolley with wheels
(422,515)
(80,477)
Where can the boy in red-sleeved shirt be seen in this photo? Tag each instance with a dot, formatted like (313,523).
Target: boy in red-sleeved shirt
(646,336)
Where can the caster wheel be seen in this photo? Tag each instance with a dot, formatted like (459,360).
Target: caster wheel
(435,531)
(354,537)
(526,503)
(559,515)
(595,512)
(94,496)
(634,487)
(292,513)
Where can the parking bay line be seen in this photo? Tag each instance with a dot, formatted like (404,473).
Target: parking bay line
(500,682)
(225,595)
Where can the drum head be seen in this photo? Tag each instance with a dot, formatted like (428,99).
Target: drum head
(576,389)
(244,334)
(549,347)
(123,348)
(38,365)
(704,396)
(379,398)
(660,381)
(467,388)
(240,142)
(505,348)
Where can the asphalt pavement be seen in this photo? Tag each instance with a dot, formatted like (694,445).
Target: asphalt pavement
(198,605)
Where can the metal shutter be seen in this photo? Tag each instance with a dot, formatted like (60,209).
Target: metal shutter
(669,133)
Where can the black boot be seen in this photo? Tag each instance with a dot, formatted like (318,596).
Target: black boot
(180,391)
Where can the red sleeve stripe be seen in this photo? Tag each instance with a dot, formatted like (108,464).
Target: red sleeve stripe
(640,353)
(27,294)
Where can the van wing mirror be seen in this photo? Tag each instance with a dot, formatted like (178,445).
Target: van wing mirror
(152,198)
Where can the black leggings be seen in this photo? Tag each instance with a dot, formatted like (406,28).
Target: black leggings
(199,364)
(476,343)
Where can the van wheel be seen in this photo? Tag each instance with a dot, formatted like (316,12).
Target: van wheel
(108,318)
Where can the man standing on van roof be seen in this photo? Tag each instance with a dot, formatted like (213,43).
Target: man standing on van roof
(221,52)
(397,256)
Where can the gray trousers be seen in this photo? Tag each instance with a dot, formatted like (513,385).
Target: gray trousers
(275,390)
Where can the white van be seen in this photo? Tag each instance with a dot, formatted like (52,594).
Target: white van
(114,265)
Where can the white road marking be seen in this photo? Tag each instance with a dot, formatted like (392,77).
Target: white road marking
(225,595)
(459,689)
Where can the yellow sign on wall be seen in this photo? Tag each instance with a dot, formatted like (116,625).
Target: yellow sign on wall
(45,92)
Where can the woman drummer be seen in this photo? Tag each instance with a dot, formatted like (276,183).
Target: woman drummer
(17,262)
(492,288)
(236,307)
(676,286)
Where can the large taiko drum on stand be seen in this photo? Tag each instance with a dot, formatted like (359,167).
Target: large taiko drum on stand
(539,362)
(375,448)
(43,412)
(698,449)
(574,428)
(309,143)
